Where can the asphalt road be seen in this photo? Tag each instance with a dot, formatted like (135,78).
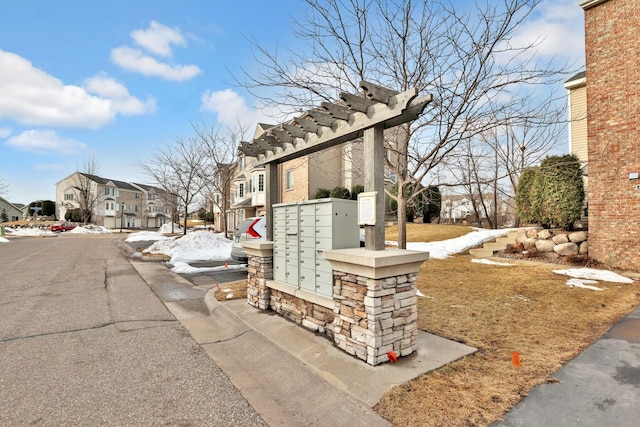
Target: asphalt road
(84,341)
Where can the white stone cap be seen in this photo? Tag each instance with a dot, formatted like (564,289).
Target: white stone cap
(261,248)
(376,264)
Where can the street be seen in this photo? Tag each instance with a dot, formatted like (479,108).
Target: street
(85,341)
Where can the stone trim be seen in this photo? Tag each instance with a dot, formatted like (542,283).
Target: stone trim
(302,294)
(375,264)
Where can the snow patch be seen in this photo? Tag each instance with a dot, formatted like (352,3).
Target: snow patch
(489,262)
(594,274)
(3,240)
(147,236)
(583,283)
(32,232)
(166,229)
(446,248)
(181,267)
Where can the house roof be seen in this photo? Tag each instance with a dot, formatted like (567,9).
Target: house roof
(17,206)
(579,80)
(118,184)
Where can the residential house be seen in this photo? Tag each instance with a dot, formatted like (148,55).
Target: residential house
(9,211)
(613,130)
(577,105)
(455,209)
(112,203)
(221,198)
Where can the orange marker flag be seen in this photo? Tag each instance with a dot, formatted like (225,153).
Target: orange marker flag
(226,265)
(515,359)
(393,357)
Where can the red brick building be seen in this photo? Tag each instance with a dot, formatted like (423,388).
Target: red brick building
(612,44)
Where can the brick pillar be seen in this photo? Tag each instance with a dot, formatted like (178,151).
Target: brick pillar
(375,302)
(260,269)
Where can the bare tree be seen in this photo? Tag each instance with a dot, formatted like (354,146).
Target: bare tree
(178,170)
(220,148)
(464,58)
(86,188)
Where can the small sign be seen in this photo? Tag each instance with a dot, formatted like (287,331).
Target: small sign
(633,176)
(367,208)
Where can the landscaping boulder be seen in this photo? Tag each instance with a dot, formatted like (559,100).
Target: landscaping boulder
(566,249)
(521,237)
(578,237)
(529,243)
(584,248)
(560,238)
(545,246)
(532,233)
(544,234)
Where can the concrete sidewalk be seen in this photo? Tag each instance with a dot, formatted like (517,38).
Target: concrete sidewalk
(288,374)
(600,387)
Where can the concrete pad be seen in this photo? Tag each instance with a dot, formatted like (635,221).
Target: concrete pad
(364,382)
(284,391)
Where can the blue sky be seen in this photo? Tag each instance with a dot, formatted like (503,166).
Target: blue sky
(115,79)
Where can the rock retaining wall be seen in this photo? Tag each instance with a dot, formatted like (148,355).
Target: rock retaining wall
(554,242)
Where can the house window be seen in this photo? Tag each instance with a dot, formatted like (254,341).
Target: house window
(261,182)
(151,196)
(68,196)
(137,195)
(137,208)
(289,179)
(241,189)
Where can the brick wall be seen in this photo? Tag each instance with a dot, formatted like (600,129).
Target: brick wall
(613,97)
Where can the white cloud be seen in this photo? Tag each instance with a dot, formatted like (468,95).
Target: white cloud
(156,40)
(558,26)
(32,97)
(135,60)
(47,167)
(159,38)
(5,132)
(122,101)
(45,142)
(232,110)
(229,106)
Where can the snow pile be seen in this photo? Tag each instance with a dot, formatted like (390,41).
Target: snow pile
(32,232)
(445,248)
(9,230)
(147,236)
(166,229)
(3,240)
(90,229)
(182,267)
(196,246)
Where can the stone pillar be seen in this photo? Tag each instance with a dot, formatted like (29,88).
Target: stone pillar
(375,301)
(259,269)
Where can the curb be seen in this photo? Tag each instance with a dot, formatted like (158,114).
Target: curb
(210,301)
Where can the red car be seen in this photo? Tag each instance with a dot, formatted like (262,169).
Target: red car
(62,226)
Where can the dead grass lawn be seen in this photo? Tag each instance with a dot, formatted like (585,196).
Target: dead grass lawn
(237,289)
(526,308)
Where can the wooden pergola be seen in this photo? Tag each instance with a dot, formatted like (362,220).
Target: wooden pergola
(355,116)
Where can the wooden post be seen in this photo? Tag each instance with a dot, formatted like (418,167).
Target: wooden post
(271,195)
(374,181)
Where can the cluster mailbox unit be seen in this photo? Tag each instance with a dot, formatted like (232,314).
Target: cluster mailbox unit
(302,231)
